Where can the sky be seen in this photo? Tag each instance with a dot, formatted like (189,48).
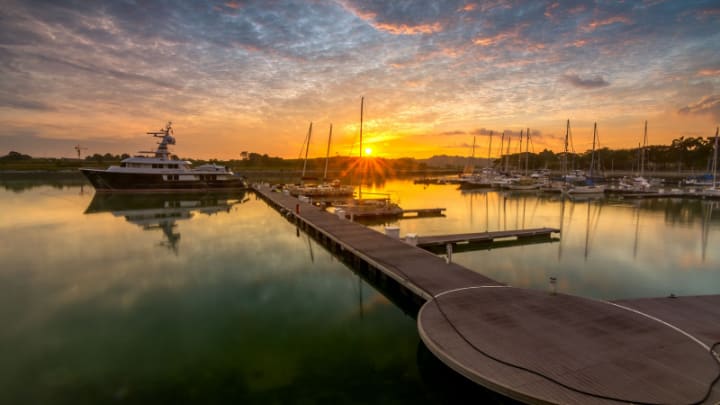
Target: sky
(436,76)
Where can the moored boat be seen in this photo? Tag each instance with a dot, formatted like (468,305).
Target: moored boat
(159,173)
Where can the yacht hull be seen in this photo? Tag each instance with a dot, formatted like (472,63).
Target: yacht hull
(108,181)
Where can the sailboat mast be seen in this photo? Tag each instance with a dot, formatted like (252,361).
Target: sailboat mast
(527,149)
(502,143)
(520,151)
(327,154)
(362,103)
(507,154)
(715,157)
(489,150)
(307,148)
(565,155)
(592,154)
(642,152)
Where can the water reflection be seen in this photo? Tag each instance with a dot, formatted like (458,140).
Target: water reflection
(161,211)
(23,181)
(608,249)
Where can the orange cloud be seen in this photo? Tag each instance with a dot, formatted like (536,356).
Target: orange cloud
(579,43)
(469,7)
(404,29)
(232,4)
(709,72)
(550,8)
(487,41)
(608,21)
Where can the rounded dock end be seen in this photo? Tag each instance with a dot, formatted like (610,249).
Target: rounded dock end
(542,348)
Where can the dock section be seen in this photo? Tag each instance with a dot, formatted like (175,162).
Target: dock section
(484,237)
(534,346)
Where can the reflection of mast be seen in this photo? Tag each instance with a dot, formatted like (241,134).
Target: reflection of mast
(487,213)
(715,158)
(360,297)
(504,213)
(172,237)
(562,222)
(642,152)
(707,216)
(591,223)
(637,231)
(312,255)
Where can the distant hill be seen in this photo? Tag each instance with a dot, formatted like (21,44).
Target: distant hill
(445,161)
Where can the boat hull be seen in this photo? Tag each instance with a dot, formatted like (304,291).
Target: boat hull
(108,181)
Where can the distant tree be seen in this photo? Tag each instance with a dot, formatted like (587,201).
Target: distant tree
(16,156)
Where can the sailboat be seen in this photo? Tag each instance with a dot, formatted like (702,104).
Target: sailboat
(524,182)
(638,184)
(589,187)
(324,189)
(714,190)
(371,207)
(484,179)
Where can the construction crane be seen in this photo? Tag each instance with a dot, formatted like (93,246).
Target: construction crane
(79,148)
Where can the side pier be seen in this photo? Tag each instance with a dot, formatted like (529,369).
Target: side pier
(484,237)
(534,346)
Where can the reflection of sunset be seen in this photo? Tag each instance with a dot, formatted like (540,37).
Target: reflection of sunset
(368,151)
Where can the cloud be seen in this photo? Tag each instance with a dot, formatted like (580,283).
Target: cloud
(708,72)
(12,101)
(450,133)
(595,24)
(404,18)
(706,105)
(404,29)
(585,83)
(483,131)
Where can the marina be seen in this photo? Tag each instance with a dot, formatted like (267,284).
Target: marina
(532,346)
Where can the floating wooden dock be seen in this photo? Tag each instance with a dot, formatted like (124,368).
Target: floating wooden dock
(424,212)
(535,346)
(484,237)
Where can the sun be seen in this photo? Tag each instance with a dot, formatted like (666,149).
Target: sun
(368,151)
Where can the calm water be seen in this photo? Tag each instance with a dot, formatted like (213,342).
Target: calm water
(217,299)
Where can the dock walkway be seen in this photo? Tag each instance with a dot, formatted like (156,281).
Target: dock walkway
(534,346)
(482,237)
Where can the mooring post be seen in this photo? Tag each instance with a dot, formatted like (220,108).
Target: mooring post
(448,249)
(297,208)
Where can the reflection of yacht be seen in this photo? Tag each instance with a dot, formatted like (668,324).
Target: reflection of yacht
(160,211)
(160,173)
